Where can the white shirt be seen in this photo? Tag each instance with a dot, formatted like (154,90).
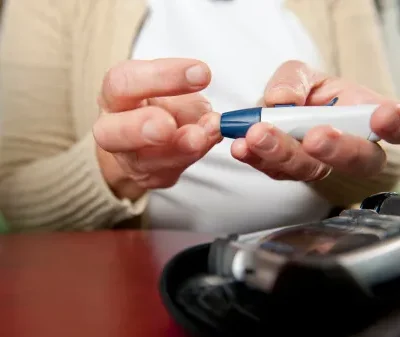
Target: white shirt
(243,42)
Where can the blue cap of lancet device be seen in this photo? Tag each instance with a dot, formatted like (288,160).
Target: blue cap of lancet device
(235,124)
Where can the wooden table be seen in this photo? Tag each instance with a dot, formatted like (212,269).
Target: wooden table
(87,284)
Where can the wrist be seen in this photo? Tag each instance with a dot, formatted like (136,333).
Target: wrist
(116,178)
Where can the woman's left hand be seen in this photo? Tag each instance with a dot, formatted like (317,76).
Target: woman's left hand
(324,148)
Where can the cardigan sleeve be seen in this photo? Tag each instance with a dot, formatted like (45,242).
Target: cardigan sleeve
(49,179)
(361,52)
(360,57)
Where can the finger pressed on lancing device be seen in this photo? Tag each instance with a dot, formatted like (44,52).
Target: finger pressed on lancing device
(298,120)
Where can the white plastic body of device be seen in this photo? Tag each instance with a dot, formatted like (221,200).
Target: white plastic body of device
(297,121)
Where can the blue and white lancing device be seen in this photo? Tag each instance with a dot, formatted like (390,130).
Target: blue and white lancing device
(296,121)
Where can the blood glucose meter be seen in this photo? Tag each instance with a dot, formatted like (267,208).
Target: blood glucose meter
(359,251)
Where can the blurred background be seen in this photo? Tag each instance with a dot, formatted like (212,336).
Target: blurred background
(389,15)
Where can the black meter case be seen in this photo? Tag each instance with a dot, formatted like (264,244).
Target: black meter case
(206,299)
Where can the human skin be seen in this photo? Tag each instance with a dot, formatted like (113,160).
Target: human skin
(154,124)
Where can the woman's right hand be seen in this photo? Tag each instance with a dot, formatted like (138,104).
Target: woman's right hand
(153,123)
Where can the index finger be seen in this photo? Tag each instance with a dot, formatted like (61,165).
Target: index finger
(126,85)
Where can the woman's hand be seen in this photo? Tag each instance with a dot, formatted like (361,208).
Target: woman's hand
(324,148)
(154,123)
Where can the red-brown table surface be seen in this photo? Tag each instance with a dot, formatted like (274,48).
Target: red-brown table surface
(87,284)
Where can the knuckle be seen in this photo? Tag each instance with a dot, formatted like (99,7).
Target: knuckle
(143,184)
(132,164)
(140,178)
(176,164)
(255,161)
(261,165)
(159,69)
(99,132)
(279,175)
(137,165)
(124,131)
(167,183)
(182,162)
(287,158)
(156,111)
(116,81)
(276,173)
(378,163)
(162,182)
(283,156)
(202,106)
(354,160)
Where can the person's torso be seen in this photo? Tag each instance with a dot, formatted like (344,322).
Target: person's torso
(243,43)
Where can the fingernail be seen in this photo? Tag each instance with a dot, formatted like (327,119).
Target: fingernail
(156,131)
(197,75)
(267,142)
